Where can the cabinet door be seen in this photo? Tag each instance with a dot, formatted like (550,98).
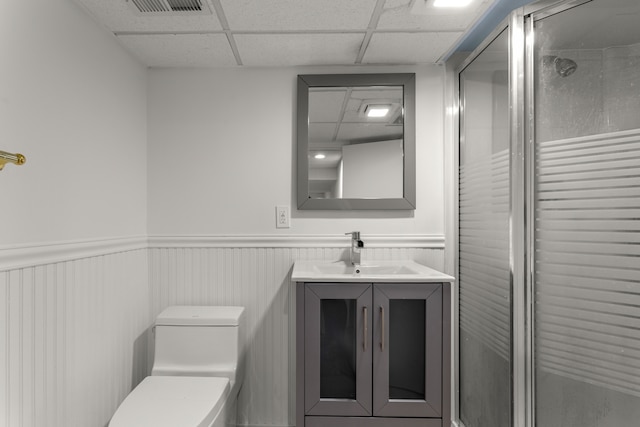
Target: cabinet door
(338,349)
(407,353)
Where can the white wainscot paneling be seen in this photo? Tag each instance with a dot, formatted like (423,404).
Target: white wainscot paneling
(74,338)
(259,279)
(74,319)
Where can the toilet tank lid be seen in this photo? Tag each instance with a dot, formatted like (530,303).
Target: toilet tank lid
(181,315)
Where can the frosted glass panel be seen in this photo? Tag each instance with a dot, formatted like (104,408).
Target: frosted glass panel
(587,227)
(485,305)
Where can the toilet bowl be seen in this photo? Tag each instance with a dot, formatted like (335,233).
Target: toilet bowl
(172,402)
(197,371)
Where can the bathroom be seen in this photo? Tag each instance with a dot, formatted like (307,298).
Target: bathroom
(145,188)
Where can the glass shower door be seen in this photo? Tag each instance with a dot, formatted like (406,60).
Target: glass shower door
(587,216)
(484,269)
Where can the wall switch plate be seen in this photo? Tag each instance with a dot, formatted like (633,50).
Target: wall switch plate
(282,217)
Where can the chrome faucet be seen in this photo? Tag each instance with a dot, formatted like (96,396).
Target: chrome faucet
(356,246)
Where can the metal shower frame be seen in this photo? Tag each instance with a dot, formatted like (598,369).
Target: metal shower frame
(521,36)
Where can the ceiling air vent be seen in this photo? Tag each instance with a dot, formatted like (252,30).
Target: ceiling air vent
(170,7)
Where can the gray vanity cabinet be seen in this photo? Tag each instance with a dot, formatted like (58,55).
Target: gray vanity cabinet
(407,360)
(371,354)
(338,363)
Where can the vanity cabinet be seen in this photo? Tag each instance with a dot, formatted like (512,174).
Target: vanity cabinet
(373,354)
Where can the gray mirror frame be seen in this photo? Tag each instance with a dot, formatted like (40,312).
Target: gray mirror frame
(408,81)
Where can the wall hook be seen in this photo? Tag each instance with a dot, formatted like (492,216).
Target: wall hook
(16,159)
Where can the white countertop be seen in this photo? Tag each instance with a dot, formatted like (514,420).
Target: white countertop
(405,271)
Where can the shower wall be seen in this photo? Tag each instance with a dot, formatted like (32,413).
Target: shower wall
(621,76)
(598,98)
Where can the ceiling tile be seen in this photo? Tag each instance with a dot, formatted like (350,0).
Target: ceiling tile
(296,15)
(321,132)
(397,16)
(120,16)
(181,50)
(288,32)
(325,105)
(298,49)
(408,48)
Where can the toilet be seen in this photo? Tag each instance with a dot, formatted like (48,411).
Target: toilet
(197,371)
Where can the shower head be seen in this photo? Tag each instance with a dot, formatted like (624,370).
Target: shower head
(563,66)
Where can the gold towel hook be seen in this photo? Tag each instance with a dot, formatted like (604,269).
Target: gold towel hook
(16,159)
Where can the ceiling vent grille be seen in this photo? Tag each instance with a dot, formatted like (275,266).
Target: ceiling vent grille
(170,7)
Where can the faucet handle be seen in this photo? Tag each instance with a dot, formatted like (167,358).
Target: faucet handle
(355,235)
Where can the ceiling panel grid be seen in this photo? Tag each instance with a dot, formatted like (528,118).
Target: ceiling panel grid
(231,33)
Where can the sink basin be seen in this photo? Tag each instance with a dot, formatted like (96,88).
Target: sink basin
(346,268)
(378,271)
(384,269)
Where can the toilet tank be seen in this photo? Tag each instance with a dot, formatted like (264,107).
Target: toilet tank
(200,341)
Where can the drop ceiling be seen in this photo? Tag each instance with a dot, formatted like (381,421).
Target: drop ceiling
(258,33)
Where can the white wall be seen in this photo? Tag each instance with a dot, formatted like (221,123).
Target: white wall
(373,169)
(221,155)
(74,103)
(74,299)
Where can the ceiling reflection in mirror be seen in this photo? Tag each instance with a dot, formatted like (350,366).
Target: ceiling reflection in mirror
(356,142)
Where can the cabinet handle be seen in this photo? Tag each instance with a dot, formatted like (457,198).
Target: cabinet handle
(382,328)
(366,329)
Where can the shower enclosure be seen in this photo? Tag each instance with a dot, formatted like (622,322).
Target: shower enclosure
(549,219)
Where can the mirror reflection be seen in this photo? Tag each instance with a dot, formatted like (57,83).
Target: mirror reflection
(356,142)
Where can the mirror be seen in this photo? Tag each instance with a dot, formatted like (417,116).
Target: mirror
(356,141)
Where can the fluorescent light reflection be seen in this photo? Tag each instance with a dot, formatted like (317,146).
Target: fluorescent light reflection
(377,111)
(319,156)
